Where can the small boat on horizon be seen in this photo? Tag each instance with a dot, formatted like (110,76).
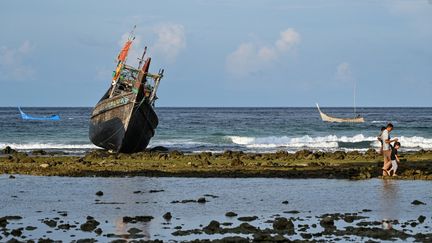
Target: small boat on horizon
(25,116)
(124,119)
(327,118)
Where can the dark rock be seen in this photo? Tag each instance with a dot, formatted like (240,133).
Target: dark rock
(212,227)
(16,232)
(247,218)
(175,153)
(283,224)
(99,193)
(285,202)
(11,177)
(3,222)
(371,152)
(155,191)
(136,219)
(47,240)
(327,223)
(233,239)
(167,216)
(51,223)
(134,231)
(236,162)
(231,214)
(159,149)
(306,236)
(302,154)
(90,225)
(417,202)
(87,240)
(8,150)
(39,152)
(339,155)
(64,226)
(30,228)
(98,231)
(421,219)
(201,200)
(292,212)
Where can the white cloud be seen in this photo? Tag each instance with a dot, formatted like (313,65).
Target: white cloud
(288,39)
(343,72)
(250,57)
(171,39)
(12,62)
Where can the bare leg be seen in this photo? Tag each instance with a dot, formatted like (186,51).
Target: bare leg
(387,162)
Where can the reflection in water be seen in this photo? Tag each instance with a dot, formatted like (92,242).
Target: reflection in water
(124,193)
(390,206)
(122,229)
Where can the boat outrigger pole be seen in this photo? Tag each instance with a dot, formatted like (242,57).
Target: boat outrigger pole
(142,58)
(157,79)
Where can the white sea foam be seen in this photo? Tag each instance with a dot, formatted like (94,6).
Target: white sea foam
(30,146)
(324,142)
(181,143)
(415,142)
(383,122)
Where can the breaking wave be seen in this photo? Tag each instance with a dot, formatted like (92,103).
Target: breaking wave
(330,142)
(30,146)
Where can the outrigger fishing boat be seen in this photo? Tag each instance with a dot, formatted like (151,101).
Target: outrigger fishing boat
(124,119)
(25,116)
(356,119)
(327,118)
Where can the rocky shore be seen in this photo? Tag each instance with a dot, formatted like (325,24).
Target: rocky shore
(160,162)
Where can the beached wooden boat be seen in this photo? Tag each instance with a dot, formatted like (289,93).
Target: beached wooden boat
(327,118)
(124,119)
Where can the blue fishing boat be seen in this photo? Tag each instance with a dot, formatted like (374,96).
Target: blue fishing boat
(24,116)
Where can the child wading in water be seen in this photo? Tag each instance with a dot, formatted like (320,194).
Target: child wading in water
(394,158)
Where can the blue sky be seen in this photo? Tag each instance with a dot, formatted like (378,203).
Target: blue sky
(221,53)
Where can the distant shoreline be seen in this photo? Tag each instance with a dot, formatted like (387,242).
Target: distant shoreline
(302,164)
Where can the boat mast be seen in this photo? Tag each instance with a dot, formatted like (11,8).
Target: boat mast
(122,61)
(355,98)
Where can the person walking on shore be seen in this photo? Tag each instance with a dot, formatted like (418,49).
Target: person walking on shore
(385,137)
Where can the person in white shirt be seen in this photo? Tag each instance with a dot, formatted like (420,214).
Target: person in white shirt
(385,138)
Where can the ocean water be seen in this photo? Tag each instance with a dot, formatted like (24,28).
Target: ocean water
(220,129)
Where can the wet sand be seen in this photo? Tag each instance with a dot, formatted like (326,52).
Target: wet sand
(302,164)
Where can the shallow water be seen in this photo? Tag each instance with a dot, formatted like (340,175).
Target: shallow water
(36,198)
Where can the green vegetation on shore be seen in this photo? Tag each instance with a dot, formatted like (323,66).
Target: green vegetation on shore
(302,164)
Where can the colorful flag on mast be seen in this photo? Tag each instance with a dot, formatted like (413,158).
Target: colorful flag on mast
(124,52)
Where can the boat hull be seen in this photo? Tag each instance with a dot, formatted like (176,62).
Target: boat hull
(122,125)
(328,118)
